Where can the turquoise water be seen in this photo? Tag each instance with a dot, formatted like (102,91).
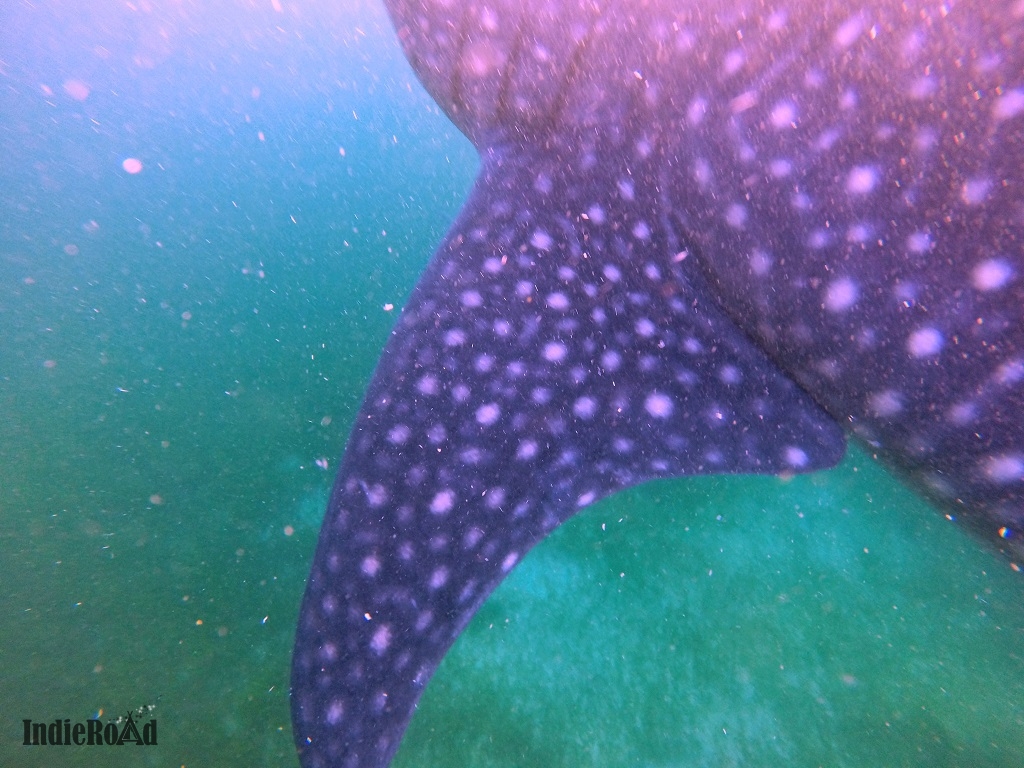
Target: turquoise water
(179,348)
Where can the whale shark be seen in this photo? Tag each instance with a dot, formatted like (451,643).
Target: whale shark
(706,237)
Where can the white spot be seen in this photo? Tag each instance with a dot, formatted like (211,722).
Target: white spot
(858,233)
(783,115)
(596,214)
(370,566)
(778,20)
(925,140)
(1004,468)
(586,498)
(455,337)
(795,457)
(991,275)
(611,360)
(471,455)
(730,374)
(399,434)
(502,327)
(1010,372)
(493,265)
(760,263)
(660,406)
(585,407)
(734,60)
(827,139)
(472,299)
(626,189)
(483,363)
(818,239)
(641,231)
(886,403)
(848,32)
(376,495)
(652,272)
(841,295)
(427,385)
(612,273)
(1010,104)
(482,58)
(541,395)
(527,450)
(472,538)
(437,434)
(524,288)
(963,414)
(541,240)
(335,712)
(439,577)
(495,498)
(424,620)
(905,292)
(645,328)
(736,215)
(862,179)
(975,190)
(923,87)
(696,110)
(743,102)
(554,352)
(702,172)
(780,168)
(558,301)
(489,20)
(443,502)
(509,562)
(693,345)
(460,393)
(919,242)
(487,414)
(924,342)
(381,639)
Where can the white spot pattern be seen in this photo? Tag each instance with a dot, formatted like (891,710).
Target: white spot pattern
(659,405)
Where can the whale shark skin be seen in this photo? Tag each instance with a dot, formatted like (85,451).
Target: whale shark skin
(706,237)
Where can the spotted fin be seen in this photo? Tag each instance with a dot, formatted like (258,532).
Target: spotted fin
(534,371)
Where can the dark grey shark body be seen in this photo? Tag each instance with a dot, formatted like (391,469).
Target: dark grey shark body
(704,237)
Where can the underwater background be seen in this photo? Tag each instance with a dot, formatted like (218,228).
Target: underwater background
(210,216)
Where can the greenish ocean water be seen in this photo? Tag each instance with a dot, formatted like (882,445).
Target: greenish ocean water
(180,347)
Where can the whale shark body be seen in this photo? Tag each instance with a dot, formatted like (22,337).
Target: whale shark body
(706,237)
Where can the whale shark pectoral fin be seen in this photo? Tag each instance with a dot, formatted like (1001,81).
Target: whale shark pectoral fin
(557,349)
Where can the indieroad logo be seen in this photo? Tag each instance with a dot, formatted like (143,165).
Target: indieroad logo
(134,727)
